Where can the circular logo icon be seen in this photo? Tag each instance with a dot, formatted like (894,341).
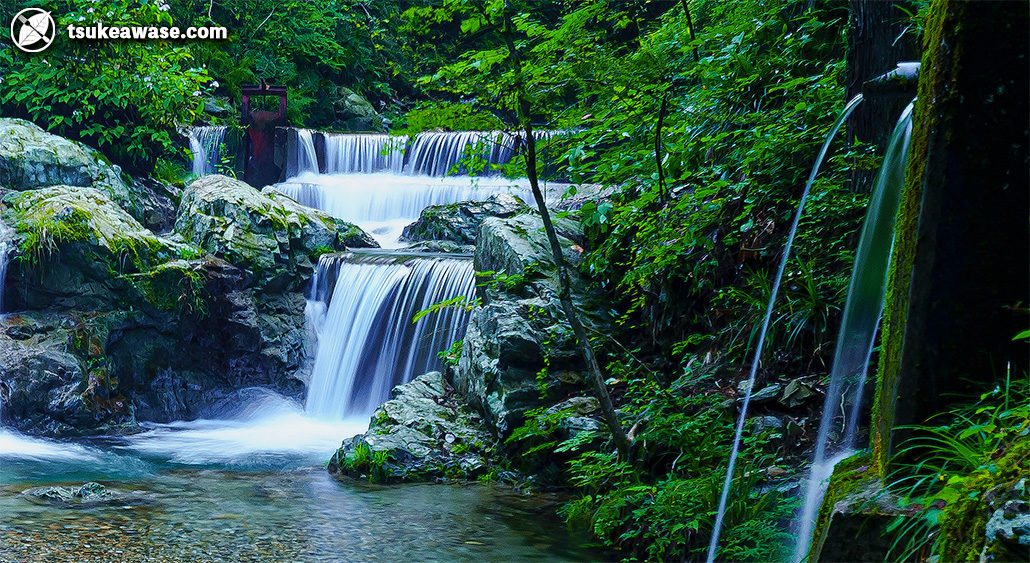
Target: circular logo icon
(33,30)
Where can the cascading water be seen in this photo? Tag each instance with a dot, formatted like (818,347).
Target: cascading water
(307,159)
(367,340)
(6,247)
(205,144)
(348,153)
(742,418)
(858,329)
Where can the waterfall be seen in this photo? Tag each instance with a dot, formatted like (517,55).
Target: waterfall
(205,144)
(367,340)
(6,247)
(858,329)
(437,153)
(430,153)
(347,153)
(307,159)
(383,204)
(742,418)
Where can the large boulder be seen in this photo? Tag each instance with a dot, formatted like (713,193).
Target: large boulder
(518,341)
(355,113)
(45,386)
(31,158)
(459,222)
(421,433)
(77,249)
(271,236)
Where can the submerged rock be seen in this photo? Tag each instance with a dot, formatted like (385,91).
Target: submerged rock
(459,222)
(88,494)
(423,432)
(269,235)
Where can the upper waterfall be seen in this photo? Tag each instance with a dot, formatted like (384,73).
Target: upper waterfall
(347,153)
(363,305)
(205,144)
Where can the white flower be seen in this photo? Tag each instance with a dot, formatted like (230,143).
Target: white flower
(165,7)
(90,11)
(214,84)
(82,18)
(197,93)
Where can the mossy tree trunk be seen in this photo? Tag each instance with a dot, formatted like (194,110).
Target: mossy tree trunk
(959,270)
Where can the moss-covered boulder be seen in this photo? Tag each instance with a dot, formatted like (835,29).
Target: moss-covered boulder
(421,433)
(31,158)
(77,249)
(518,341)
(271,236)
(354,113)
(459,222)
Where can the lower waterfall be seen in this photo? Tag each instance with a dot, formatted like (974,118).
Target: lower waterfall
(362,306)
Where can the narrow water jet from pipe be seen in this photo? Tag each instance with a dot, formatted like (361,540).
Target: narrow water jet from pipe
(859,324)
(742,418)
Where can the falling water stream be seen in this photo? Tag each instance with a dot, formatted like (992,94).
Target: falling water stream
(857,331)
(742,418)
(205,145)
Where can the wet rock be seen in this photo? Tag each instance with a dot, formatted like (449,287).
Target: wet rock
(441,246)
(353,112)
(576,405)
(46,389)
(1010,524)
(423,432)
(31,158)
(520,328)
(459,222)
(270,235)
(763,395)
(798,392)
(157,202)
(89,494)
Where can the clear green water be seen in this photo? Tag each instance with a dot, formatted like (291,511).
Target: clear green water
(230,512)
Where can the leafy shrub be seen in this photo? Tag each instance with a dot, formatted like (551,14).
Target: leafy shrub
(124,97)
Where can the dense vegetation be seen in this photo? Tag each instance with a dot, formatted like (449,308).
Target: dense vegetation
(703,116)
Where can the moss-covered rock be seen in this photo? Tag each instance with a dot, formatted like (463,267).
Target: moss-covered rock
(518,343)
(31,158)
(269,235)
(421,433)
(459,222)
(354,113)
(77,249)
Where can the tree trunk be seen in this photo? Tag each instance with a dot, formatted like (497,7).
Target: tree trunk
(873,49)
(565,291)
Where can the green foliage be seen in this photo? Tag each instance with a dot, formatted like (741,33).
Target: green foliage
(947,471)
(312,47)
(431,116)
(457,302)
(124,97)
(364,461)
